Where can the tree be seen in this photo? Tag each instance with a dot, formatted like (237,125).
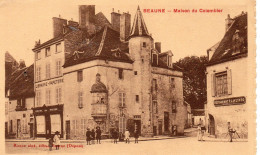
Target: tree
(194,80)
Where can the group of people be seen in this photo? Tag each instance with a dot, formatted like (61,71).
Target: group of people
(115,135)
(92,135)
(54,141)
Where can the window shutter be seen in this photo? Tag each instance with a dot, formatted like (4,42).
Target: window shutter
(213,85)
(229,82)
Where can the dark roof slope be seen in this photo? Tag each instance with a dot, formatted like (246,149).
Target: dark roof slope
(104,45)
(225,51)
(21,83)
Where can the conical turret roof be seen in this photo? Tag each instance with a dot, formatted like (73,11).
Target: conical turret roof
(139,28)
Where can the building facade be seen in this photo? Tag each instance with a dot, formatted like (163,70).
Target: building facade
(121,81)
(226,76)
(18,102)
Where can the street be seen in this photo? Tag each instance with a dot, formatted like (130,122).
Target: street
(188,145)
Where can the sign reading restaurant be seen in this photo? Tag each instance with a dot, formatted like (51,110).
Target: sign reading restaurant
(48,83)
(230,101)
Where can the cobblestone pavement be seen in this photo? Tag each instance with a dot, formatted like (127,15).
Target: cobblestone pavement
(188,145)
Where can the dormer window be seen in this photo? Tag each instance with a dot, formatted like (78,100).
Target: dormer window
(47,51)
(155,59)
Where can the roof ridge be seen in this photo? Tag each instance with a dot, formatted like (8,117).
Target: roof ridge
(25,69)
(102,42)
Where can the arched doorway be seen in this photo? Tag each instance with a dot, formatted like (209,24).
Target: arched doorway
(211,125)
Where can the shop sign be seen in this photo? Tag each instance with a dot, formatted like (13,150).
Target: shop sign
(230,101)
(49,83)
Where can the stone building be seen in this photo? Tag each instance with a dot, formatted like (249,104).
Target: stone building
(120,80)
(226,80)
(19,99)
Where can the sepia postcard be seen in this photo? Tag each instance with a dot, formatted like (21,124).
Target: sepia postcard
(139,77)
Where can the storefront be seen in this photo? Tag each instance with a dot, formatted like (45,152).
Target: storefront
(48,120)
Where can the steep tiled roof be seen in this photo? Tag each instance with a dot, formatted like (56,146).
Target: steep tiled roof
(226,49)
(104,45)
(139,28)
(21,83)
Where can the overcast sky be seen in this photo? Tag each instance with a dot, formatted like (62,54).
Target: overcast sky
(185,34)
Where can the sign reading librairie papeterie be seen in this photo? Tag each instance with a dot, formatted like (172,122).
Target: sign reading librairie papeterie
(230,101)
(48,83)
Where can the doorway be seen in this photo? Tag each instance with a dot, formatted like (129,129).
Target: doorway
(154,130)
(166,121)
(6,129)
(18,128)
(160,127)
(138,126)
(211,125)
(68,129)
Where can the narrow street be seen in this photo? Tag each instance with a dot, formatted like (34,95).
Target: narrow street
(188,145)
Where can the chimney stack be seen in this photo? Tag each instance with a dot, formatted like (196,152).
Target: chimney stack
(158,46)
(115,20)
(58,24)
(21,64)
(125,26)
(87,17)
(228,22)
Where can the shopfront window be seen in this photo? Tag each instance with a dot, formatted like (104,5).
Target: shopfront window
(221,84)
(55,123)
(40,124)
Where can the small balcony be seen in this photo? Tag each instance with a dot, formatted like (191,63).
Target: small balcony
(99,110)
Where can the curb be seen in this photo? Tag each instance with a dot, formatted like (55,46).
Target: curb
(83,141)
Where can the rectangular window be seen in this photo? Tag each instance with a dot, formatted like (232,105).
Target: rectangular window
(144,44)
(155,107)
(172,83)
(58,48)
(23,102)
(38,55)
(19,102)
(173,106)
(58,68)
(47,51)
(38,98)
(80,99)
(83,126)
(38,73)
(137,98)
(48,71)
(122,99)
(155,59)
(58,95)
(120,73)
(11,126)
(80,76)
(154,85)
(221,84)
(135,72)
(48,96)
(24,126)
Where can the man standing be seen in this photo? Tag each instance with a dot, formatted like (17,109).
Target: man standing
(88,136)
(127,134)
(136,135)
(98,135)
(230,131)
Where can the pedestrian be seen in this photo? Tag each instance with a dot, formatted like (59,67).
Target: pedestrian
(50,143)
(203,130)
(88,136)
(127,138)
(56,140)
(199,132)
(136,135)
(98,135)
(230,131)
(93,136)
(115,136)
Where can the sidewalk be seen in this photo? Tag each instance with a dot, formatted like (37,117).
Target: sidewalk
(83,141)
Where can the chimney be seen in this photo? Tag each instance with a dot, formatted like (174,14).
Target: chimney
(21,64)
(125,26)
(158,46)
(115,20)
(86,15)
(58,24)
(228,22)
